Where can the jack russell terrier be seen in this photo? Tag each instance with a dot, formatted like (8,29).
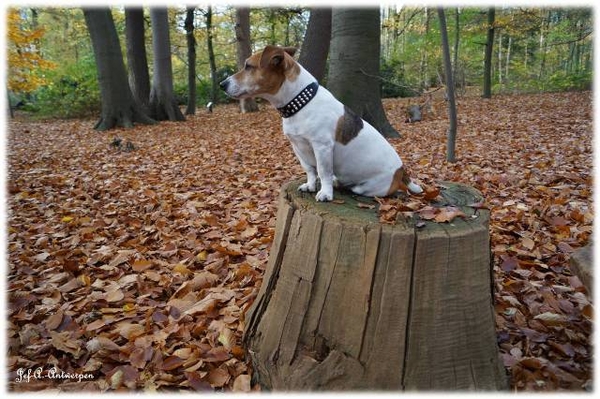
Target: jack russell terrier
(330,140)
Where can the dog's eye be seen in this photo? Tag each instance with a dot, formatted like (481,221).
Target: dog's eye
(248,67)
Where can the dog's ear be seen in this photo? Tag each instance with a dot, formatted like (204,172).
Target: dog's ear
(290,50)
(276,56)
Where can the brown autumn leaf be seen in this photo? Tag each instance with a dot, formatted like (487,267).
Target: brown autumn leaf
(431,193)
(172,362)
(218,377)
(363,205)
(53,321)
(141,265)
(241,383)
(448,214)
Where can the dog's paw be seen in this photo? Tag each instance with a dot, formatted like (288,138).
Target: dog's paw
(324,195)
(307,188)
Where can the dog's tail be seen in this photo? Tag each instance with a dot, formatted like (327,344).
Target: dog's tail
(402,181)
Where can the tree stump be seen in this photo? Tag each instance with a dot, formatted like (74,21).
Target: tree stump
(348,303)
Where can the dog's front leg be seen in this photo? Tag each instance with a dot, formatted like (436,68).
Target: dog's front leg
(324,155)
(311,171)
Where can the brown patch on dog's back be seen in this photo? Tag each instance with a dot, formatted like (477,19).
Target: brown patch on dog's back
(348,126)
(401,180)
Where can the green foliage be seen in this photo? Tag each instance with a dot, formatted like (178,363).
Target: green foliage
(72,92)
(393,83)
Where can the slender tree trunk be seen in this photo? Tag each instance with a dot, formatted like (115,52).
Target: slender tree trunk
(163,104)
(449,87)
(191,48)
(9,103)
(139,79)
(507,66)
(354,65)
(214,92)
(243,50)
(489,45)
(315,47)
(456,43)
(545,23)
(526,56)
(500,59)
(118,105)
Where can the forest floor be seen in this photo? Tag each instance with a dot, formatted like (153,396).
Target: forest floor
(131,268)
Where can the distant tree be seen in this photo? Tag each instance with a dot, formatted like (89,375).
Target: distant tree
(214,79)
(26,65)
(139,79)
(163,105)
(315,46)
(489,46)
(243,50)
(191,51)
(449,87)
(354,64)
(119,108)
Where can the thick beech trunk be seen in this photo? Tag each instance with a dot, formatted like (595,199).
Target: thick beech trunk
(139,78)
(315,46)
(118,105)
(163,104)
(354,64)
(243,50)
(348,303)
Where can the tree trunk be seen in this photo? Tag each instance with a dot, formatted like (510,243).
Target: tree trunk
(243,50)
(451,143)
(11,112)
(456,44)
(507,63)
(500,81)
(348,303)
(139,79)
(315,46)
(191,47)
(163,104)
(487,64)
(354,65)
(118,105)
(214,90)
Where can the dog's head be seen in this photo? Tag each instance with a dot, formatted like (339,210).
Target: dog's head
(264,72)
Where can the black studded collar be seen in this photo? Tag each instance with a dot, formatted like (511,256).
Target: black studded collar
(298,102)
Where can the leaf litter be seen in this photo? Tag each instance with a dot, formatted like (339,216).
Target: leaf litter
(138,266)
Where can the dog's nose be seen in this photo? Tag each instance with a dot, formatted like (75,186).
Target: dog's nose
(224,84)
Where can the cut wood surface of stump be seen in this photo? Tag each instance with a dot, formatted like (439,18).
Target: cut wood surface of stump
(348,303)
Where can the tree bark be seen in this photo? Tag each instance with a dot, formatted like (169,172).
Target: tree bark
(354,65)
(139,79)
(191,48)
(119,108)
(163,104)
(315,46)
(214,88)
(243,50)
(487,63)
(348,304)
(451,141)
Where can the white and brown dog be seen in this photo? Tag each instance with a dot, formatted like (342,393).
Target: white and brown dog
(330,140)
